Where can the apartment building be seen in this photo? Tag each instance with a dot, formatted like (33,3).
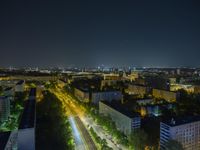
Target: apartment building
(4,108)
(166,95)
(126,121)
(185,130)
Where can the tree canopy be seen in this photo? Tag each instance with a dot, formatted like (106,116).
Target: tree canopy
(174,145)
(138,139)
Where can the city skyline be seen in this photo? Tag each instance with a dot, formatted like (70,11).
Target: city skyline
(100,75)
(81,34)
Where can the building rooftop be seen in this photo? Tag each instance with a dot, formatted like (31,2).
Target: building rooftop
(3,97)
(164,90)
(160,104)
(20,82)
(96,90)
(28,116)
(32,92)
(106,90)
(83,89)
(142,99)
(4,136)
(62,80)
(118,107)
(139,85)
(8,88)
(176,121)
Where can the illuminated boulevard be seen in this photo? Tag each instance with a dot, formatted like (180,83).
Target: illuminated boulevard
(82,139)
(75,112)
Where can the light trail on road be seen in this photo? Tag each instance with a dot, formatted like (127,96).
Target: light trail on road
(82,138)
(77,137)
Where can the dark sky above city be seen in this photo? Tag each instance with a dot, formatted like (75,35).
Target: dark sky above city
(162,33)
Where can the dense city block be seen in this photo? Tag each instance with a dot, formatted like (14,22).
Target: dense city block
(138,108)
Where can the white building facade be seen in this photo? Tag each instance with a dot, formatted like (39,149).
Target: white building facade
(186,131)
(126,122)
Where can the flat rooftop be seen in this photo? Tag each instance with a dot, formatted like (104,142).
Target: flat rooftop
(83,89)
(4,136)
(20,82)
(164,90)
(8,88)
(139,85)
(28,116)
(96,90)
(107,90)
(176,121)
(32,92)
(3,97)
(119,107)
(142,99)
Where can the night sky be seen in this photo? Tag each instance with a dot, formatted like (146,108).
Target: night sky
(163,33)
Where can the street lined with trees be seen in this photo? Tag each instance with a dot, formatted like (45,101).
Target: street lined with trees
(53,129)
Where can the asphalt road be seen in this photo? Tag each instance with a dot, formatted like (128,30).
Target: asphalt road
(85,134)
(79,142)
(103,134)
(77,110)
(82,138)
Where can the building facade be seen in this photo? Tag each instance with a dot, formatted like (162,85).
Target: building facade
(108,83)
(106,96)
(184,130)
(144,101)
(166,95)
(81,95)
(111,77)
(139,90)
(9,91)
(125,121)
(4,108)
(19,87)
(196,89)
